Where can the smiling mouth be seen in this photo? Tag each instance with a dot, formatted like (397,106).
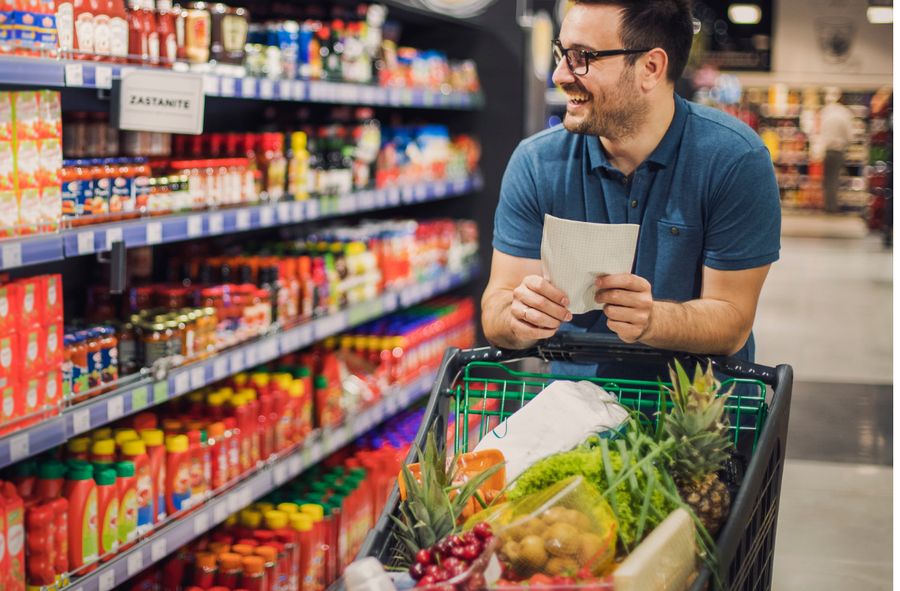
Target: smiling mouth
(577,99)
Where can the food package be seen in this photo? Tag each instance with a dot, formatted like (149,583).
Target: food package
(566,530)
(558,419)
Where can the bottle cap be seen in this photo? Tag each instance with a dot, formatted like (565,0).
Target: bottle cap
(124,469)
(134,448)
(242,549)
(25,469)
(101,433)
(177,444)
(288,508)
(153,437)
(250,518)
(79,445)
(104,447)
(263,506)
(145,420)
(125,435)
(261,380)
(51,470)
(105,476)
(219,548)
(229,561)
(253,565)
(216,430)
(268,553)
(316,511)
(301,521)
(206,560)
(80,471)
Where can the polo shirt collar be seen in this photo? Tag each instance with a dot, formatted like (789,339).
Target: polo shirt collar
(664,154)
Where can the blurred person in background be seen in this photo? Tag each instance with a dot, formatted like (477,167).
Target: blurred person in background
(835,132)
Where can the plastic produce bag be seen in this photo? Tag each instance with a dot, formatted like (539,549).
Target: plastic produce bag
(565,530)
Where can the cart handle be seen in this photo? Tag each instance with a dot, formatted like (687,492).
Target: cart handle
(593,347)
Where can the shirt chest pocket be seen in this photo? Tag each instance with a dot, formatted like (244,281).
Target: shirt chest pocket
(679,256)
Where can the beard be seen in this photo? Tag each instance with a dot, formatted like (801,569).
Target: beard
(613,114)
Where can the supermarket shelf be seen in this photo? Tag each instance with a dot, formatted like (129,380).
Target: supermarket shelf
(159,230)
(50,73)
(146,392)
(181,531)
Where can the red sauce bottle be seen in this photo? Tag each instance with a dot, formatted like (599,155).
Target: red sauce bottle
(165,28)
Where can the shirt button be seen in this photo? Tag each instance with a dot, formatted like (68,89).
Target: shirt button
(675,231)
(634,203)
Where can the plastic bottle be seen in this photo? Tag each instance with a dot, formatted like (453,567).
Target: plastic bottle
(298,167)
(230,570)
(81,492)
(24,477)
(233,447)
(156,455)
(123,435)
(218,451)
(107,510)
(310,576)
(279,523)
(165,20)
(103,451)
(321,549)
(128,503)
(136,451)
(254,575)
(197,453)
(61,558)
(270,557)
(178,479)
(40,541)
(118,30)
(205,570)
(51,480)
(144,421)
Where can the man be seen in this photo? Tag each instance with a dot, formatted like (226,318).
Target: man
(700,184)
(836,131)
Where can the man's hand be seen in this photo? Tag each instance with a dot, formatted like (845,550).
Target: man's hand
(537,309)
(628,303)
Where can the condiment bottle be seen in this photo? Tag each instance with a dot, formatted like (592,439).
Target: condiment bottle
(51,480)
(254,576)
(178,475)
(138,35)
(81,493)
(108,509)
(205,570)
(118,33)
(230,570)
(165,28)
(103,451)
(156,453)
(127,485)
(40,541)
(136,451)
(78,448)
(24,478)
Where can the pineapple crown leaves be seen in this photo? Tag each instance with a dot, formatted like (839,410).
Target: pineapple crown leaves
(696,422)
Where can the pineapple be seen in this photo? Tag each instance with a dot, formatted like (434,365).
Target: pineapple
(697,426)
(433,503)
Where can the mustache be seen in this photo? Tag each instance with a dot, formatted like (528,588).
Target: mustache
(573,88)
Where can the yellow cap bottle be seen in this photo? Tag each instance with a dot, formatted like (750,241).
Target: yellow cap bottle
(288,508)
(316,512)
(153,437)
(79,445)
(301,522)
(276,520)
(102,433)
(123,435)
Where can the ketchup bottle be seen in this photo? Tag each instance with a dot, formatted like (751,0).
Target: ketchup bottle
(138,37)
(165,28)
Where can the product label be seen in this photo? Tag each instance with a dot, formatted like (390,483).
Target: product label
(6,353)
(4,303)
(234,33)
(102,193)
(52,291)
(128,517)
(65,25)
(170,46)
(161,492)
(102,35)
(52,341)
(109,530)
(153,47)
(89,528)
(84,32)
(31,396)
(51,390)
(49,162)
(197,487)
(94,369)
(31,353)
(27,120)
(28,300)
(144,498)
(118,37)
(16,533)
(9,403)
(123,194)
(181,493)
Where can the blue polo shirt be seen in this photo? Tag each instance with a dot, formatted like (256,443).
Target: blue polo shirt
(706,196)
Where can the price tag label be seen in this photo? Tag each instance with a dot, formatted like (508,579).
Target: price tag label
(19,447)
(113,235)
(85,242)
(74,75)
(284,213)
(12,255)
(266,89)
(220,368)
(103,76)
(297,90)
(304,336)
(194,226)
(459,187)
(406,194)
(295,464)
(198,378)
(393,196)
(220,512)
(160,391)
(440,189)
(243,219)
(366,200)
(135,563)
(252,354)
(154,233)
(281,473)
(182,383)
(420,192)
(107,580)
(139,398)
(246,496)
(227,87)
(312,209)
(81,421)
(201,523)
(216,224)
(305,456)
(236,361)
(380,198)
(210,85)
(248,87)
(396,96)
(233,502)
(158,550)
(115,408)
(266,216)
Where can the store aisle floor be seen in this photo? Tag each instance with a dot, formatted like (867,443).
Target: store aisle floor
(826,310)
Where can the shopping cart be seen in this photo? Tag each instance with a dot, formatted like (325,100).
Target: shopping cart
(758,412)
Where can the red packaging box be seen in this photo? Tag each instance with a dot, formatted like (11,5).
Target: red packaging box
(33,395)
(53,346)
(8,411)
(9,357)
(14,516)
(52,387)
(29,302)
(32,344)
(52,289)
(9,309)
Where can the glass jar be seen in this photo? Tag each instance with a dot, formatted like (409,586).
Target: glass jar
(155,337)
(176,341)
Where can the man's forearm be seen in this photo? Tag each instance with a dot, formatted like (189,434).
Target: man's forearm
(703,326)
(496,320)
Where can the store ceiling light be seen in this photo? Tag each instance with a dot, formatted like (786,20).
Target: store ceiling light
(880,15)
(744,14)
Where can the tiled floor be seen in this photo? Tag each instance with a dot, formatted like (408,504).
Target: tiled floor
(826,310)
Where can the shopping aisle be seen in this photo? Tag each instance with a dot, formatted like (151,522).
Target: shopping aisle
(826,309)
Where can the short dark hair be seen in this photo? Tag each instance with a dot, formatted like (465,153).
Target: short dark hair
(667,24)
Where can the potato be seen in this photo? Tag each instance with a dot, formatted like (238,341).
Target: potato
(510,551)
(561,567)
(591,549)
(580,520)
(534,527)
(561,539)
(555,515)
(532,552)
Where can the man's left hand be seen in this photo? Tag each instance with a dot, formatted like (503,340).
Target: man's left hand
(628,303)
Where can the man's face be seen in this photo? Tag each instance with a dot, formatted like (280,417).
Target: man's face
(606,101)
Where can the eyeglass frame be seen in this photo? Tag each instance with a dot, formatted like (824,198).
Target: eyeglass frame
(591,55)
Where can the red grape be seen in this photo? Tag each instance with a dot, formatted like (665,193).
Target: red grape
(483,530)
(417,571)
(424,557)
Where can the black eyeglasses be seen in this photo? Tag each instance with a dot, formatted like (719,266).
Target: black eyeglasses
(578,59)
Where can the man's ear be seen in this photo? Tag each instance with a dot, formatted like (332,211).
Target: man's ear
(652,68)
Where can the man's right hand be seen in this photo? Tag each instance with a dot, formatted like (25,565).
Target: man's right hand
(537,310)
